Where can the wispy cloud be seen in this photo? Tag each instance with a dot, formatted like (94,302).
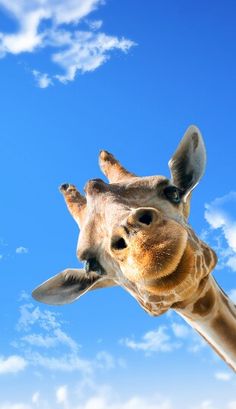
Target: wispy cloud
(232,295)
(153,341)
(220,216)
(31,315)
(22,250)
(206,404)
(62,395)
(41,330)
(167,338)
(42,79)
(36,398)
(56,25)
(7,252)
(180,330)
(64,362)
(44,343)
(104,360)
(12,364)
(223,376)
(94,24)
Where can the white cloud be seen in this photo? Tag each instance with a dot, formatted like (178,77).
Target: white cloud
(44,319)
(65,362)
(153,341)
(42,79)
(86,52)
(24,296)
(197,344)
(232,295)
(12,364)
(41,328)
(223,376)
(180,330)
(105,360)
(22,250)
(220,215)
(74,50)
(103,399)
(46,345)
(39,340)
(136,402)
(46,341)
(27,39)
(206,404)
(62,394)
(167,339)
(94,24)
(36,398)
(231,263)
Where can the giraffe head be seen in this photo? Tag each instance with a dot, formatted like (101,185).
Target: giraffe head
(134,233)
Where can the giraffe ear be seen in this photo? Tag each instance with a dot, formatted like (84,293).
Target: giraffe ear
(187,165)
(69,285)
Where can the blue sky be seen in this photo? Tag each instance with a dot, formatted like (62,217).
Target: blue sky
(129,77)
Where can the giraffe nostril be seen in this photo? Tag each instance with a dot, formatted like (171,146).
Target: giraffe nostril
(118,243)
(145,217)
(142,217)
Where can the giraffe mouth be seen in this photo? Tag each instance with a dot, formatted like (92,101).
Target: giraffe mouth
(175,277)
(155,255)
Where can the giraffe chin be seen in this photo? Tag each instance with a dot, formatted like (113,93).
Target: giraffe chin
(154,254)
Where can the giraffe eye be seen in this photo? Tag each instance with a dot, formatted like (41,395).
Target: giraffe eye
(173,194)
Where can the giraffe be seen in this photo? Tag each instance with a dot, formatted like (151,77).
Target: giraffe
(134,233)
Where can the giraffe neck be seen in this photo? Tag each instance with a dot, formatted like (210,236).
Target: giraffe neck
(213,315)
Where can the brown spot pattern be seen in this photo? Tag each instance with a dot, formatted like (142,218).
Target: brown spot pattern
(228,303)
(215,349)
(199,263)
(205,304)
(223,327)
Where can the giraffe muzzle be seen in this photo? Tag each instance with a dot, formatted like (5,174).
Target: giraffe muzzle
(139,220)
